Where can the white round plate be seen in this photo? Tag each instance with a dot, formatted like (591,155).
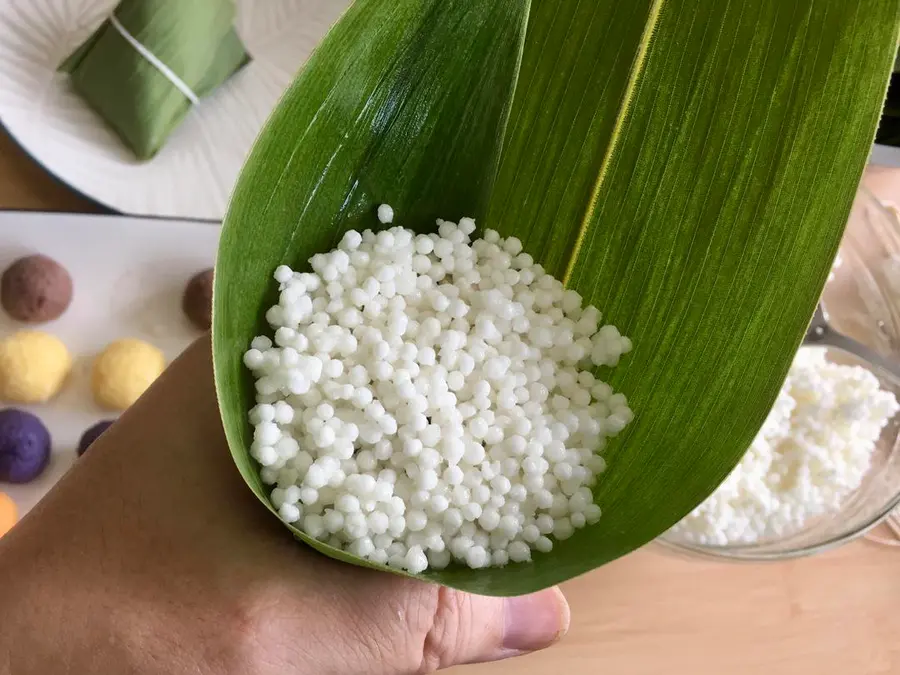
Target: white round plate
(193,174)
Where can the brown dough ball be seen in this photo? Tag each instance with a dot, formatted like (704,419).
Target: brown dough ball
(197,300)
(35,289)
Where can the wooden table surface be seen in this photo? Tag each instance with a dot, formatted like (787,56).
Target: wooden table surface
(655,612)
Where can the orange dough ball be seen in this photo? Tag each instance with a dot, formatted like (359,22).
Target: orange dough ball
(9,513)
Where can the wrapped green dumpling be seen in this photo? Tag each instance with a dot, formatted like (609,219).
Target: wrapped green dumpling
(145,67)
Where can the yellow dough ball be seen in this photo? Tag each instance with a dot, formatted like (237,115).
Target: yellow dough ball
(123,371)
(9,514)
(33,367)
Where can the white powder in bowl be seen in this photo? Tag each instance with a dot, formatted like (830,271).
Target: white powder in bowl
(813,451)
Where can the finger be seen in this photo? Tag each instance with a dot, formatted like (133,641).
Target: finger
(376,623)
(473,629)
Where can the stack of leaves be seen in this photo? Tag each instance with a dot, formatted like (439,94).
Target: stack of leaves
(194,40)
(687,166)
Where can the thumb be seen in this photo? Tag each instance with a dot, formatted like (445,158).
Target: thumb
(468,628)
(379,624)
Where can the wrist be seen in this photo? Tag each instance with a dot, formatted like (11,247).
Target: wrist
(66,612)
(24,613)
(36,637)
(53,622)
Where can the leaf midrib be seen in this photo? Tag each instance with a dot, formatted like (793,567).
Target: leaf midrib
(634,77)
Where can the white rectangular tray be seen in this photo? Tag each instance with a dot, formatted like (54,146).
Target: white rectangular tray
(128,276)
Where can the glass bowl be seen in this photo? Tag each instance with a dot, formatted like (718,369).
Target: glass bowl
(862,299)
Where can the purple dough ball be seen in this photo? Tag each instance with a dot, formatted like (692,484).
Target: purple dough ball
(91,435)
(24,446)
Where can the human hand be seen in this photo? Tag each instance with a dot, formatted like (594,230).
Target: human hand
(152,556)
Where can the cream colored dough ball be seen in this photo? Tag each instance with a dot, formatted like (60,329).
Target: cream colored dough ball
(123,371)
(33,367)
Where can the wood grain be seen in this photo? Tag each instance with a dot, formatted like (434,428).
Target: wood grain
(26,185)
(655,611)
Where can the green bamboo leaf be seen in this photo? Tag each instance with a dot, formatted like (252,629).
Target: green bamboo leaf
(686,166)
(700,210)
(405,102)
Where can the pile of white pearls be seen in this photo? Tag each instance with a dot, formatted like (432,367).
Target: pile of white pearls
(429,400)
(813,452)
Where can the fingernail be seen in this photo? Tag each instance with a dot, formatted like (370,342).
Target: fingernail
(535,621)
